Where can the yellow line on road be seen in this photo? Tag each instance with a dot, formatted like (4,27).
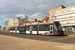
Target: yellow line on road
(72,35)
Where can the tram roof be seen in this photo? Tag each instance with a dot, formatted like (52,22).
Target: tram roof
(46,23)
(39,23)
(34,24)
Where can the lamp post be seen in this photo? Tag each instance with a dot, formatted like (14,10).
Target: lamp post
(37,27)
(25,21)
(26,17)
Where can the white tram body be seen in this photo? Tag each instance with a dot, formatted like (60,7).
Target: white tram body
(49,28)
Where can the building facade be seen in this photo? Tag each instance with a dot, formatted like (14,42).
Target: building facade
(7,25)
(0,28)
(66,17)
(14,22)
(17,22)
(32,22)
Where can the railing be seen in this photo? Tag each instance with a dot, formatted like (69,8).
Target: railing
(69,32)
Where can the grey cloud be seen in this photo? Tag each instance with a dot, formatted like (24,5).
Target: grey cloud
(10,8)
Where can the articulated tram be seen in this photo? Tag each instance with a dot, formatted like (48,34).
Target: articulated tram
(49,28)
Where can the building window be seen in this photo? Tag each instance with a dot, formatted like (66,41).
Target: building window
(66,10)
(73,14)
(53,12)
(65,16)
(53,17)
(73,8)
(60,11)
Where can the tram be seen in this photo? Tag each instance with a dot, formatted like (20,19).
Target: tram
(48,28)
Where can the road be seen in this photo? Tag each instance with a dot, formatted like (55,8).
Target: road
(57,39)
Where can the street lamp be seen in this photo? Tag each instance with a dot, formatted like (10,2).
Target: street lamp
(37,27)
(25,21)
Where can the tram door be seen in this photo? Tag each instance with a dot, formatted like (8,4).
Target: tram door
(15,29)
(31,29)
(51,29)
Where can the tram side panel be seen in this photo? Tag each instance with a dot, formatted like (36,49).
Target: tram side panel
(10,29)
(17,30)
(32,29)
(13,29)
(27,30)
(57,29)
(44,29)
(23,29)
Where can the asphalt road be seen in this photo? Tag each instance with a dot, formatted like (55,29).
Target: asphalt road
(57,39)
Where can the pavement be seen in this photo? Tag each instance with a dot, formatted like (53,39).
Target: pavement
(71,35)
(56,39)
(16,43)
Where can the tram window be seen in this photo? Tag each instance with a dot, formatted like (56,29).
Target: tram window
(40,28)
(23,28)
(9,28)
(55,28)
(58,26)
(17,28)
(13,28)
(28,27)
(31,26)
(43,28)
(34,28)
(20,28)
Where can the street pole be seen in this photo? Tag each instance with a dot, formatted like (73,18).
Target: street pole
(25,21)
(19,25)
(37,28)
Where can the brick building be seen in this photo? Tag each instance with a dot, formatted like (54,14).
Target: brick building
(46,19)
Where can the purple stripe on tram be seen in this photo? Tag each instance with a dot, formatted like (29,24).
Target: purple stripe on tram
(57,33)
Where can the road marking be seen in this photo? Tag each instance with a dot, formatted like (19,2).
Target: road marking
(71,35)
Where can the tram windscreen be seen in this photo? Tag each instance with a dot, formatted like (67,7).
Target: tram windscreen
(58,25)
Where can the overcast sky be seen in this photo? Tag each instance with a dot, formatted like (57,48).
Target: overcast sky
(34,8)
